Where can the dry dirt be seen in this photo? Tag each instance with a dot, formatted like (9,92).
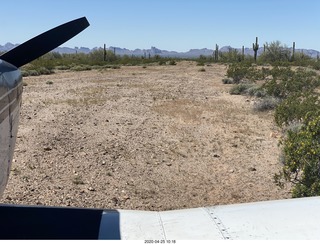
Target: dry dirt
(155,138)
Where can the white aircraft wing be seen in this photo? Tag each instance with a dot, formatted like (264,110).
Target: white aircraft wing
(282,219)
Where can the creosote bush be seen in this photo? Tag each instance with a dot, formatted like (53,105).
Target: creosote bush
(295,108)
(301,158)
(241,88)
(286,81)
(239,71)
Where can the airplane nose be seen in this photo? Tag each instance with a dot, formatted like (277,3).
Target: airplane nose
(10,101)
(11,84)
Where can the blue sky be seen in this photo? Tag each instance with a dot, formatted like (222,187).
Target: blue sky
(177,25)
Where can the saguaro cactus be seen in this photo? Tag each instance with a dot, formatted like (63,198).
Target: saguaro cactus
(104,53)
(293,50)
(216,53)
(242,53)
(255,47)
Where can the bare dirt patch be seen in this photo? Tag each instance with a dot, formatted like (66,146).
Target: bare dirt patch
(155,138)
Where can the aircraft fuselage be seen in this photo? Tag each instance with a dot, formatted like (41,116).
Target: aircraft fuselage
(10,102)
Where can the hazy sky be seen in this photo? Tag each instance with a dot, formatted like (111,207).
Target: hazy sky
(177,25)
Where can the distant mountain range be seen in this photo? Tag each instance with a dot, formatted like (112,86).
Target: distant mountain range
(192,53)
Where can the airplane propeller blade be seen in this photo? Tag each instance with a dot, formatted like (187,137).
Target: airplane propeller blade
(45,42)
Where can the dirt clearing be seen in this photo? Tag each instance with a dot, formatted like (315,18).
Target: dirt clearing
(155,138)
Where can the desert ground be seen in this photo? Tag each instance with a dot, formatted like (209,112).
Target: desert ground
(154,138)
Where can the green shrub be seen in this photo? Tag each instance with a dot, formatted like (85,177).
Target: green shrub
(62,67)
(30,73)
(301,158)
(246,71)
(295,107)
(44,71)
(257,91)
(24,73)
(172,62)
(265,104)
(286,81)
(276,52)
(241,88)
(80,68)
(239,71)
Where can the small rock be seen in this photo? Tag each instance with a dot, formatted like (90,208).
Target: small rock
(91,189)
(216,155)
(260,139)
(115,200)
(252,169)
(169,164)
(47,148)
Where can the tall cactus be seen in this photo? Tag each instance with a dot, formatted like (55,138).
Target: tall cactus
(216,53)
(242,53)
(104,53)
(255,47)
(293,51)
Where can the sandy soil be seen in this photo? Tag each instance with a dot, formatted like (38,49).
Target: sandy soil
(155,138)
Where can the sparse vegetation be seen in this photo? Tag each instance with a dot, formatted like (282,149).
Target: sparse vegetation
(293,94)
(49,82)
(150,121)
(280,79)
(94,60)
